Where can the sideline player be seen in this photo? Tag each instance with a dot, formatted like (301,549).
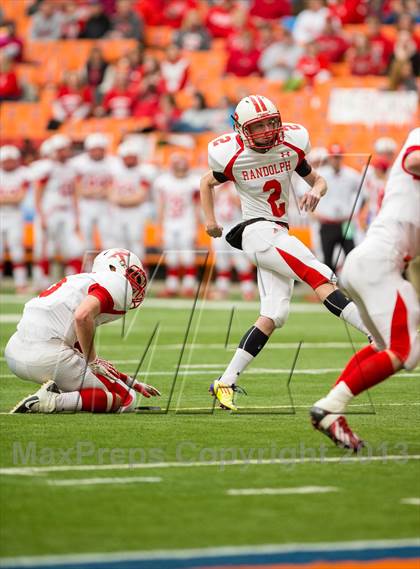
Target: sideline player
(54,342)
(178,214)
(94,178)
(260,158)
(228,212)
(372,275)
(56,206)
(14,183)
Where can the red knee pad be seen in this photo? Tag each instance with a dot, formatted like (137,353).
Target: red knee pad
(99,400)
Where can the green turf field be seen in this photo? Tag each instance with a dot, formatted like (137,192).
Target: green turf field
(181,489)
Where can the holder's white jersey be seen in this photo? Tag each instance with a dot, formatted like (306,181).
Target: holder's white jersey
(398,222)
(179,196)
(94,176)
(226,206)
(12,183)
(262,180)
(51,314)
(60,186)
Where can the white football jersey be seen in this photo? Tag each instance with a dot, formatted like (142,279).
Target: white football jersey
(343,190)
(398,222)
(179,195)
(12,183)
(39,169)
(262,180)
(95,176)
(226,207)
(374,191)
(60,187)
(127,182)
(51,314)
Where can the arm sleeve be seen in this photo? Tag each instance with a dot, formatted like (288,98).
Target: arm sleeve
(220,177)
(304,168)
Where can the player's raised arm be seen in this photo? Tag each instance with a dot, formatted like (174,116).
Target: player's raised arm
(318,189)
(207,185)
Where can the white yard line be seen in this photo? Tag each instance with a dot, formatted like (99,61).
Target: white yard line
(210,552)
(411,501)
(281,491)
(95,481)
(345,459)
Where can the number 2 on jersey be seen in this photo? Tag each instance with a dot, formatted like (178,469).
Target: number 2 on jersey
(278,209)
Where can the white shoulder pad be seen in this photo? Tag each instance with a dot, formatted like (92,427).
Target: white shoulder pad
(221,150)
(297,135)
(40,169)
(117,286)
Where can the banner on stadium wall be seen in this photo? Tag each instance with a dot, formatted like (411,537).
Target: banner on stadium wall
(371,107)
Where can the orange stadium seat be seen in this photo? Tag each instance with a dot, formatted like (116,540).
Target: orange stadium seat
(158,36)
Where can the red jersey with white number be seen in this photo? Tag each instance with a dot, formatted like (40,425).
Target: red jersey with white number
(51,314)
(128,182)
(60,187)
(94,175)
(12,183)
(397,225)
(262,180)
(226,206)
(178,196)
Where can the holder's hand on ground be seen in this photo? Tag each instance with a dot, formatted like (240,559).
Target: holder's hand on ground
(214,230)
(145,389)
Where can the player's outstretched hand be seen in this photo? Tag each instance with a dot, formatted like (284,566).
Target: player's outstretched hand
(105,368)
(310,200)
(146,390)
(214,230)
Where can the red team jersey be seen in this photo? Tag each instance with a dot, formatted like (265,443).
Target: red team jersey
(262,180)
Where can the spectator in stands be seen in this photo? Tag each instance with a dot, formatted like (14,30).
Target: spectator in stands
(362,60)
(219,19)
(136,58)
(120,100)
(270,9)
(349,11)
(97,24)
(195,118)
(148,105)
(126,23)
(244,60)
(382,47)
(10,44)
(167,114)
(279,61)
(74,100)
(47,22)
(72,21)
(174,69)
(310,23)
(173,12)
(9,85)
(332,43)
(401,76)
(193,35)
(313,66)
(95,68)
(405,49)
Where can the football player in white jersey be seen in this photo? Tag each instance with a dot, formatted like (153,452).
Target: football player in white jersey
(372,275)
(260,158)
(374,189)
(178,214)
(14,183)
(56,207)
(129,195)
(94,171)
(54,344)
(228,212)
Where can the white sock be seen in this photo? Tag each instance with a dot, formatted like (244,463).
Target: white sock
(71,401)
(238,363)
(337,399)
(351,315)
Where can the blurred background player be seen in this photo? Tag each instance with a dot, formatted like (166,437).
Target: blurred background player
(334,211)
(94,177)
(56,205)
(372,275)
(129,197)
(178,213)
(227,207)
(54,344)
(374,189)
(14,182)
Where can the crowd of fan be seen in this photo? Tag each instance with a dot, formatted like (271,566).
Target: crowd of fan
(262,38)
